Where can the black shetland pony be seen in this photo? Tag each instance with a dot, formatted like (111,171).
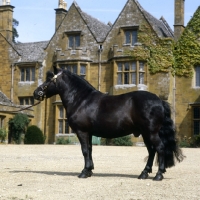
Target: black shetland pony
(91,112)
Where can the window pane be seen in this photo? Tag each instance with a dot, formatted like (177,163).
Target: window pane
(197,72)
(71,38)
(133,78)
(27,74)
(126,78)
(128,37)
(66,127)
(126,66)
(32,74)
(68,67)
(83,69)
(141,78)
(133,66)
(74,69)
(141,66)
(77,41)
(119,79)
(22,75)
(196,127)
(119,67)
(196,113)
(134,37)
(32,100)
(60,124)
(26,101)
(21,101)
(61,110)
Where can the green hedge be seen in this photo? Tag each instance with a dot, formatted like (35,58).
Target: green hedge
(34,135)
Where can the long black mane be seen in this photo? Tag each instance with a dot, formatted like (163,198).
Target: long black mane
(77,82)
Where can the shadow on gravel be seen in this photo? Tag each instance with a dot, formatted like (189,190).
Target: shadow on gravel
(76,174)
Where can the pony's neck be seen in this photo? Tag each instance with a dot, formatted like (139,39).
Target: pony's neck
(74,90)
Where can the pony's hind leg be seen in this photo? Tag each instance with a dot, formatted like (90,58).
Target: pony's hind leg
(160,149)
(86,146)
(148,167)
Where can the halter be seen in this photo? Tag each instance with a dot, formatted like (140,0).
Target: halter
(41,92)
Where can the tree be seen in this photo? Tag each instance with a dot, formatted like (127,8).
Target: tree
(17,126)
(15,33)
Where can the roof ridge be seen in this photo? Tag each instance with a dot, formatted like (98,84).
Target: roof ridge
(148,15)
(99,36)
(167,25)
(21,43)
(11,44)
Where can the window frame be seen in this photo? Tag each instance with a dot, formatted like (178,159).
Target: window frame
(131,73)
(2,121)
(24,100)
(130,35)
(27,74)
(197,76)
(196,119)
(79,68)
(63,125)
(74,40)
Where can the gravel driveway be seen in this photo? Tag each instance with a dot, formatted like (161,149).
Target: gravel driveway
(50,172)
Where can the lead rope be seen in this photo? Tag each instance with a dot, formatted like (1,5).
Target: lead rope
(27,107)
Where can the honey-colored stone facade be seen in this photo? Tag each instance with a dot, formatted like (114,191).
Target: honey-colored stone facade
(101,48)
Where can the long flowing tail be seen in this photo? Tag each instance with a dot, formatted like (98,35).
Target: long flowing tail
(168,136)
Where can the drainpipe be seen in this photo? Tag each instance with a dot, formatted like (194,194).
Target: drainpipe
(99,71)
(45,118)
(174,99)
(12,82)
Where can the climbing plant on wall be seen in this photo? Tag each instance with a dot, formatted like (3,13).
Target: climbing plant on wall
(187,49)
(156,51)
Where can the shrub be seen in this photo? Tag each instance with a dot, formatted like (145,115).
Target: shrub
(123,141)
(106,141)
(3,134)
(17,126)
(120,141)
(63,141)
(195,141)
(190,142)
(185,142)
(34,135)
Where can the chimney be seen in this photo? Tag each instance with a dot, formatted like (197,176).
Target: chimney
(178,18)
(61,11)
(6,19)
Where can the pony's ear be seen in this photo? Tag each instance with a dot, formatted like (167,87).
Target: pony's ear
(49,75)
(56,70)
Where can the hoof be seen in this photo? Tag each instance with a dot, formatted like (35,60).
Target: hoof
(158,177)
(85,174)
(143,175)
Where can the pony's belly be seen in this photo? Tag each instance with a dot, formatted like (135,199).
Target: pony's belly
(111,132)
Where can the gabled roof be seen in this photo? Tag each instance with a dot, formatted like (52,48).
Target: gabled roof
(31,52)
(161,27)
(4,99)
(10,43)
(98,28)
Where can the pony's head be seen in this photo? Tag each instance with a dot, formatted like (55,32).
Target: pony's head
(48,88)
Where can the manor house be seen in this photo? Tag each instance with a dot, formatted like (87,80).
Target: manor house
(133,53)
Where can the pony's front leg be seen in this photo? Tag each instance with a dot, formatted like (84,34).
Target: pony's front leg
(86,146)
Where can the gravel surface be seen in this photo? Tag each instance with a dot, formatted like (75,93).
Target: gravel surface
(50,172)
